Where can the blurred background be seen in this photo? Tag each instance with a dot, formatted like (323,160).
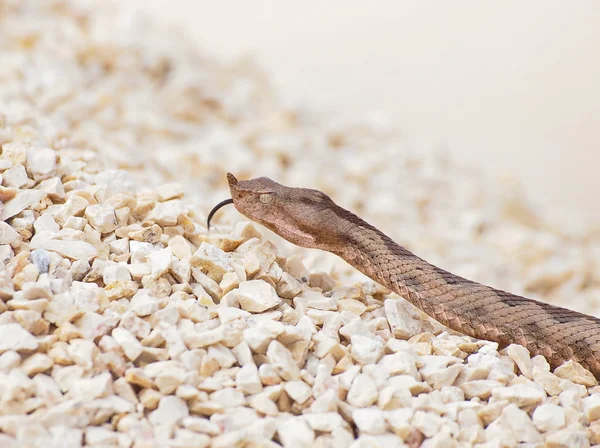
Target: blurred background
(510,87)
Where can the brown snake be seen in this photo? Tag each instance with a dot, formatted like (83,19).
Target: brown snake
(309,218)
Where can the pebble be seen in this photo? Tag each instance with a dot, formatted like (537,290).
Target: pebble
(212,260)
(402,325)
(513,424)
(255,296)
(14,338)
(521,394)
(481,389)
(362,392)
(41,163)
(295,432)
(263,404)
(573,371)
(23,200)
(282,361)
(170,410)
(569,437)
(324,422)
(8,235)
(160,261)
(169,191)
(15,177)
(288,286)
(142,303)
(548,417)
(298,391)
(549,381)
(129,343)
(426,422)
(99,436)
(74,250)
(248,380)
(41,259)
(520,355)
(46,222)
(370,420)
(366,350)
(591,407)
(37,363)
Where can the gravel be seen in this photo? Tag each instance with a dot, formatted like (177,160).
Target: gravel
(124,323)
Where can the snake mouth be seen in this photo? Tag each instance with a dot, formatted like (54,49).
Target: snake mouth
(216,209)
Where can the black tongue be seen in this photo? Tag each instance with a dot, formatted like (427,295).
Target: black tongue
(216,209)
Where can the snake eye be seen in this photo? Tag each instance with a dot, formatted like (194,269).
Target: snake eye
(265,198)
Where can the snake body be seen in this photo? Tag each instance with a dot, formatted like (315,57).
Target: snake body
(310,218)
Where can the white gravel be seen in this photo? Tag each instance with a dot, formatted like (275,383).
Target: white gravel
(123,323)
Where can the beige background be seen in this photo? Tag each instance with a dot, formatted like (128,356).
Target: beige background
(512,86)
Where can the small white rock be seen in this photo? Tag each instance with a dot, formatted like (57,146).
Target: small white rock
(23,200)
(324,422)
(115,273)
(46,222)
(212,260)
(255,296)
(513,424)
(574,371)
(295,433)
(520,355)
(480,388)
(41,163)
(8,235)
(37,363)
(169,191)
(99,436)
(75,250)
(143,304)
(402,324)
(366,350)
(128,342)
(282,361)
(53,188)
(591,407)
(228,397)
(520,394)
(370,420)
(298,391)
(548,417)
(248,381)
(170,410)
(15,177)
(101,217)
(14,337)
(427,422)
(363,392)
(160,261)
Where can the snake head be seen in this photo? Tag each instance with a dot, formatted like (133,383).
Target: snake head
(300,215)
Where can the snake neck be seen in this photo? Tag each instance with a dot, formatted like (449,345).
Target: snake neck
(393,266)
(446,297)
(463,305)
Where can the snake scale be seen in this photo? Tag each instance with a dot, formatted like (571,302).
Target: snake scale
(309,218)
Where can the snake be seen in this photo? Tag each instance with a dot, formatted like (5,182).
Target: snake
(310,218)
